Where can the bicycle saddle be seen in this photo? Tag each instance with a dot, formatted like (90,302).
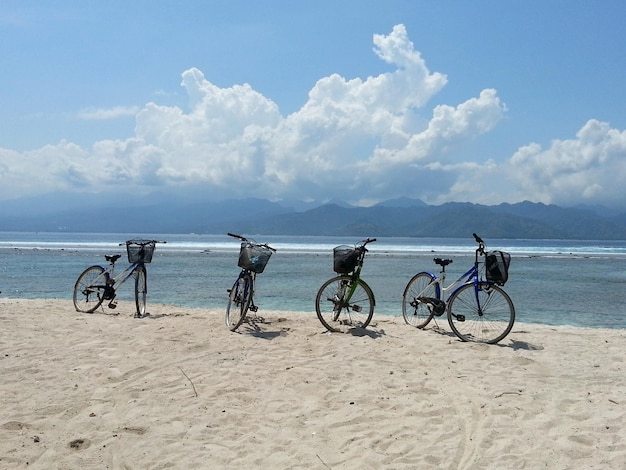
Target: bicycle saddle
(112,258)
(442,262)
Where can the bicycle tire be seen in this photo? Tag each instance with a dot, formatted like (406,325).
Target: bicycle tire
(87,296)
(238,302)
(489,325)
(414,312)
(338,316)
(141,290)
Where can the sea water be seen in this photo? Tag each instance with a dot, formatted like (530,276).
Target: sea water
(554,282)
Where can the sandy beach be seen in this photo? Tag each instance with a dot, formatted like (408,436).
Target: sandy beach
(178,390)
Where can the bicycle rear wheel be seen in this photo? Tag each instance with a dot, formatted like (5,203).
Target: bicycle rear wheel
(416,310)
(89,289)
(141,290)
(481,312)
(337,314)
(238,302)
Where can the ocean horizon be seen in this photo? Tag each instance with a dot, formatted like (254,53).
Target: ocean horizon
(554,282)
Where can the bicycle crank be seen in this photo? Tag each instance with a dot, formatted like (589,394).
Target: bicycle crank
(436,306)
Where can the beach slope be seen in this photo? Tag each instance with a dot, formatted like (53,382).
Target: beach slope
(178,390)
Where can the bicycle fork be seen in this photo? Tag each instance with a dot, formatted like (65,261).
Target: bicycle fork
(342,298)
(243,290)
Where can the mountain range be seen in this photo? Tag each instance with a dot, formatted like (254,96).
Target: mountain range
(399,217)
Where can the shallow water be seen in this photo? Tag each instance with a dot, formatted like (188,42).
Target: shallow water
(551,282)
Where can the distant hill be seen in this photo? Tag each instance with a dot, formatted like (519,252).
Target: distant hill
(398,217)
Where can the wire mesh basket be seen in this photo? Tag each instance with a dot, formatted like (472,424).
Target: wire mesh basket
(140,251)
(345,259)
(254,257)
(497,266)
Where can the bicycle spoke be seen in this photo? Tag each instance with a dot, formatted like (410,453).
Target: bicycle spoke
(340,316)
(416,311)
(486,320)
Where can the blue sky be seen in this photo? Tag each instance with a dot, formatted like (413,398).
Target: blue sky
(481,101)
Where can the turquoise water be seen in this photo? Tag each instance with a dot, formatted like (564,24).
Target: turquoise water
(560,282)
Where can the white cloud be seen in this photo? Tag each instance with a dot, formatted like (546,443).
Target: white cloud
(588,169)
(355,139)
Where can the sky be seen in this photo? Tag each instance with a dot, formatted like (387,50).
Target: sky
(487,101)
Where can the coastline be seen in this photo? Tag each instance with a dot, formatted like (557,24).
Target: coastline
(177,389)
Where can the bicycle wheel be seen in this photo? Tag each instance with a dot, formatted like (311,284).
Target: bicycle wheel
(238,302)
(415,310)
(337,314)
(482,313)
(89,289)
(141,290)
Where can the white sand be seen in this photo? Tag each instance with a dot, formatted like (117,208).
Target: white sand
(178,390)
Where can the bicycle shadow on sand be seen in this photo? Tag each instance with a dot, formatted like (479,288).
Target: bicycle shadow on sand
(359,332)
(256,326)
(505,343)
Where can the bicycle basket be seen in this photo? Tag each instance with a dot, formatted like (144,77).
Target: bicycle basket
(497,267)
(345,259)
(140,251)
(253,257)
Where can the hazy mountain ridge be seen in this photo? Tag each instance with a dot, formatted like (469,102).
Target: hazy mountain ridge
(398,217)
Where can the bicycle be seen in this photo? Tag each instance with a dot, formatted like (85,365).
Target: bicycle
(98,283)
(346,301)
(478,309)
(253,258)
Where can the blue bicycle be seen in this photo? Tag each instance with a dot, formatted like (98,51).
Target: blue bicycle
(478,309)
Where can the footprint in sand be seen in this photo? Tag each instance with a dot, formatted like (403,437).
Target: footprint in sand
(79,444)
(14,426)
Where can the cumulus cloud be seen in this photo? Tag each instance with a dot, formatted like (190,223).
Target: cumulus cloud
(588,169)
(358,139)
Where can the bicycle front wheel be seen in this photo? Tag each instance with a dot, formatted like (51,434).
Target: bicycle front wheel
(238,302)
(89,289)
(417,310)
(141,290)
(340,312)
(481,312)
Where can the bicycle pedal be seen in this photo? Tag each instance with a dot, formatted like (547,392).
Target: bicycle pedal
(112,305)
(253,308)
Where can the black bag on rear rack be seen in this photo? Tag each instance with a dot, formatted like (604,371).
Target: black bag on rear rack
(345,259)
(497,267)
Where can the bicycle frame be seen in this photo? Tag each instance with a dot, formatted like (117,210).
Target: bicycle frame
(242,275)
(356,274)
(354,278)
(123,276)
(109,281)
(471,275)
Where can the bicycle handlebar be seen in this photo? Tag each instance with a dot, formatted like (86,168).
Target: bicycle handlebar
(247,240)
(141,242)
(481,244)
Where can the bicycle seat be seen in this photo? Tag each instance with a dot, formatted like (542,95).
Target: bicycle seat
(442,262)
(112,258)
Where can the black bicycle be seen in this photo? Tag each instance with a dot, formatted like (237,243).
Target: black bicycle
(253,258)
